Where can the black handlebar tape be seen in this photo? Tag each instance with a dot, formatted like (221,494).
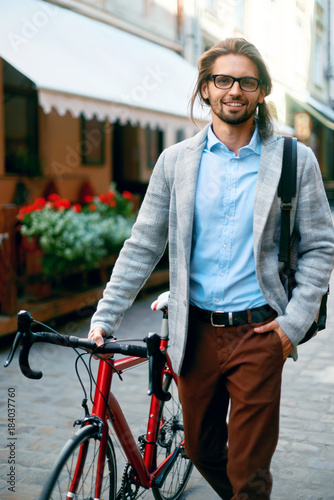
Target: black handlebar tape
(135,350)
(157,360)
(26,343)
(117,348)
(29,338)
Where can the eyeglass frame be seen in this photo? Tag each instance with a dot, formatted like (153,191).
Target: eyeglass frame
(213,77)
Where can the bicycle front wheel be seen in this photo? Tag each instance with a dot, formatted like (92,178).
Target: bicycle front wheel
(75,472)
(171,435)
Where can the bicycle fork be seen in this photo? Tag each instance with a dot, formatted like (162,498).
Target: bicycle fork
(98,418)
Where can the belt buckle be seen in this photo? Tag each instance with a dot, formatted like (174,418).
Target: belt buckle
(230,319)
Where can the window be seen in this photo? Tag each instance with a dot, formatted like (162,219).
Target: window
(21,125)
(135,152)
(318,63)
(239,15)
(154,145)
(211,5)
(299,48)
(92,142)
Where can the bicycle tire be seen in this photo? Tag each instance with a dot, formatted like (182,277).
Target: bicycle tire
(57,485)
(169,435)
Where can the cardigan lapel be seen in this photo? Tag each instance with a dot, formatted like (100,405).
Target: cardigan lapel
(266,189)
(186,175)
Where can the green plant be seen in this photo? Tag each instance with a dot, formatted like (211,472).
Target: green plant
(74,237)
(114,231)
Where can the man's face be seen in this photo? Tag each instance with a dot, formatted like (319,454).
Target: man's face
(233,106)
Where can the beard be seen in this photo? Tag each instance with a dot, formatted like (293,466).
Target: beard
(230,117)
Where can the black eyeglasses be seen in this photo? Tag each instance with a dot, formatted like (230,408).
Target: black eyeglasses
(225,82)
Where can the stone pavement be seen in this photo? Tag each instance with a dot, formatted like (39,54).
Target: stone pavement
(303,466)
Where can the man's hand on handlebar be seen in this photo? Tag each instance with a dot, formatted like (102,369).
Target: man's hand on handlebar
(98,335)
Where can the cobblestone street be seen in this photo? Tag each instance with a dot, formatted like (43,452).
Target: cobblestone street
(303,466)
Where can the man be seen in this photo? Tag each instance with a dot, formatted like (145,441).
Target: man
(214,199)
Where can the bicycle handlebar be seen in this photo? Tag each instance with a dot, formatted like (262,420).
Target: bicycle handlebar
(27,338)
(157,360)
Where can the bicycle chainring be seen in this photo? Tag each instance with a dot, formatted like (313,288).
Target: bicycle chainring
(129,490)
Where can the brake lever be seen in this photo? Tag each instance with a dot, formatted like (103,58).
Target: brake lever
(26,344)
(25,337)
(157,360)
(13,349)
(24,320)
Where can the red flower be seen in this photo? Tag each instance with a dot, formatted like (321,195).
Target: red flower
(53,197)
(88,198)
(103,198)
(92,207)
(112,203)
(23,211)
(127,195)
(62,204)
(66,204)
(39,203)
(107,197)
(37,206)
(76,207)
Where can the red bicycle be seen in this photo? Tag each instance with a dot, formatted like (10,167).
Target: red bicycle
(87,467)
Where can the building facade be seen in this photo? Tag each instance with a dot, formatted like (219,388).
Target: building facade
(296,39)
(124,72)
(91,93)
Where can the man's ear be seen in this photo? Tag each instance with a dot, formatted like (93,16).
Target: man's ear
(263,93)
(204,90)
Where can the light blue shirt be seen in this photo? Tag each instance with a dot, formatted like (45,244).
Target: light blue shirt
(222,268)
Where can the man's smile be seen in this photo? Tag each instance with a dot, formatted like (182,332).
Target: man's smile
(234,104)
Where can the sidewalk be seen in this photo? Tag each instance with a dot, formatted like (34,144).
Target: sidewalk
(303,466)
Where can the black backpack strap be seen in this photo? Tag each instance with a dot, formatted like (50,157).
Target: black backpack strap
(287,191)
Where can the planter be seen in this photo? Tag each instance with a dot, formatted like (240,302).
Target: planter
(30,256)
(38,290)
(33,262)
(106,265)
(29,243)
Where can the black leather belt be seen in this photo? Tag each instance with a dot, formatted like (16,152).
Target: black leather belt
(223,319)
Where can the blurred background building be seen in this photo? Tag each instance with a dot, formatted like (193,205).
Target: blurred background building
(91,91)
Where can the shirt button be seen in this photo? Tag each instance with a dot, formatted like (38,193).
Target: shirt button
(217,300)
(225,246)
(229,188)
(221,274)
(227,216)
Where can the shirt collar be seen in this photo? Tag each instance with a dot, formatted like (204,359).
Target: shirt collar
(253,146)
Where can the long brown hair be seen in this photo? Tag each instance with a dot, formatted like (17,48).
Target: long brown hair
(237,46)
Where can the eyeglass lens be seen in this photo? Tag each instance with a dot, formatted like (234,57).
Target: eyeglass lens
(225,82)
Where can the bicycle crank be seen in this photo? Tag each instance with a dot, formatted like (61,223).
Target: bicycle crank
(129,489)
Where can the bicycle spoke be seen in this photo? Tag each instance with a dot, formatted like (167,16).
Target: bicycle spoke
(170,436)
(78,466)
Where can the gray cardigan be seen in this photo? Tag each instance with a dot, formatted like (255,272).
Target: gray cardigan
(166,215)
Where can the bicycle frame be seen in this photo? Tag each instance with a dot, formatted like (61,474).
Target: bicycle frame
(142,465)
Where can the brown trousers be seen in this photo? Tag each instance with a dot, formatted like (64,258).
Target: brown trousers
(237,367)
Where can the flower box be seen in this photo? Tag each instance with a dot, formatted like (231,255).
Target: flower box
(59,238)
